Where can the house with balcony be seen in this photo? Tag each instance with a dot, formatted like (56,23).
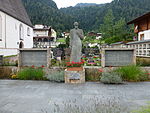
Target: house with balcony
(142,29)
(44,37)
(16,30)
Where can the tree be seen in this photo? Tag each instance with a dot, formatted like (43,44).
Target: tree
(107,27)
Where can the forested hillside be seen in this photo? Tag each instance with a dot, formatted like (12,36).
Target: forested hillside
(46,12)
(90,18)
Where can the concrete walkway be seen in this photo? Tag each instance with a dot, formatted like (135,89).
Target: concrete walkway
(46,97)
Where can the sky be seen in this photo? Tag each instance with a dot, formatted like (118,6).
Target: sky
(67,3)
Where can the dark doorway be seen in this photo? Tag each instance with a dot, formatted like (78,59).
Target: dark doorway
(21,45)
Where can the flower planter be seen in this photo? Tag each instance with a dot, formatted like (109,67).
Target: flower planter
(75,69)
(75,75)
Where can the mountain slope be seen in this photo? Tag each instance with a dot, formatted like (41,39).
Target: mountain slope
(90,18)
(46,12)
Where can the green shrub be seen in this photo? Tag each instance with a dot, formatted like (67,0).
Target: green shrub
(145,109)
(111,78)
(31,74)
(144,76)
(56,76)
(143,61)
(92,74)
(5,73)
(131,73)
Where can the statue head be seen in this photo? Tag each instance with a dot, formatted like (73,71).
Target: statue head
(76,24)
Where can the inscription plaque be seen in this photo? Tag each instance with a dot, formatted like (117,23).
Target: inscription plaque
(36,57)
(74,76)
(118,57)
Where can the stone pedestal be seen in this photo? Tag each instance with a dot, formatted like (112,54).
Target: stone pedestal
(75,76)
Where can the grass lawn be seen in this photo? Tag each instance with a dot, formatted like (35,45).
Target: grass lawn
(63,40)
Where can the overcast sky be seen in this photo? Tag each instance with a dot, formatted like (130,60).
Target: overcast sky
(67,3)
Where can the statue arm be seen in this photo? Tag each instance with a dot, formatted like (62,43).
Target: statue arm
(71,35)
(81,34)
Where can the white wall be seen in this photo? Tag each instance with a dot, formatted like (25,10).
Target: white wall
(2,43)
(146,35)
(10,33)
(40,33)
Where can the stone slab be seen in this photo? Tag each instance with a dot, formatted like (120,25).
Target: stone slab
(118,57)
(75,76)
(36,57)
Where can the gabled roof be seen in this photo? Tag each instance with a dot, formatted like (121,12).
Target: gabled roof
(138,42)
(139,18)
(15,9)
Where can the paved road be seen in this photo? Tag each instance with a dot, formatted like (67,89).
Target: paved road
(47,97)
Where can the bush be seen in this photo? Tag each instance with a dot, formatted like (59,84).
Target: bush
(92,74)
(31,74)
(5,73)
(56,76)
(143,61)
(131,73)
(111,78)
(145,109)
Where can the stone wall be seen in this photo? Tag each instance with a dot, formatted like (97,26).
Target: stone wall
(36,57)
(118,57)
(1,60)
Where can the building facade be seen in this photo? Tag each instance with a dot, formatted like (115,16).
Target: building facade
(44,36)
(142,29)
(15,27)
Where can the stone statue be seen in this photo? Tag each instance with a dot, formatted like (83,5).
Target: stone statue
(76,35)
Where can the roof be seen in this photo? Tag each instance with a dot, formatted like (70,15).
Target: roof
(137,42)
(43,37)
(15,9)
(43,29)
(117,43)
(139,18)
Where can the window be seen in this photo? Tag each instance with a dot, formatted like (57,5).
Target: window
(144,46)
(21,33)
(141,37)
(45,40)
(136,46)
(28,31)
(148,46)
(0,28)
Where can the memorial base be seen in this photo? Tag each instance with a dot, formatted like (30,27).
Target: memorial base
(75,75)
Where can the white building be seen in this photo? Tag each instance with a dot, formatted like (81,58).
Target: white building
(44,36)
(142,29)
(15,27)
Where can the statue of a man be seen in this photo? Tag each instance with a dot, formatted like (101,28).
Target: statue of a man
(76,35)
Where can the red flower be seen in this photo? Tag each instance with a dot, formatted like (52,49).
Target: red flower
(73,62)
(100,70)
(148,73)
(42,66)
(82,61)
(110,67)
(32,66)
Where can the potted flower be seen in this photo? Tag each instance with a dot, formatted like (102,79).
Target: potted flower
(75,66)
(75,73)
